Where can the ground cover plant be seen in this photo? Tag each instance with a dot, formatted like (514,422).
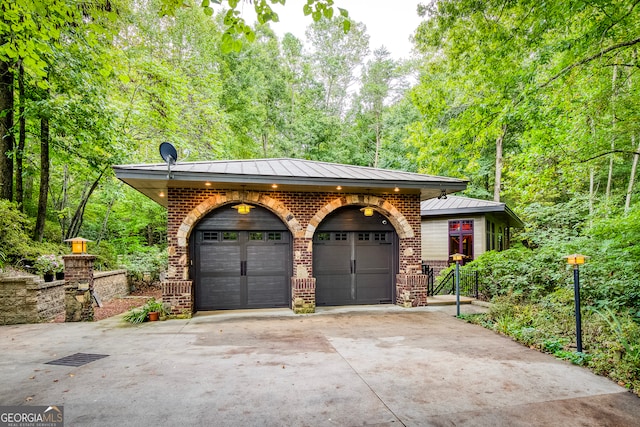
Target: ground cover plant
(531,288)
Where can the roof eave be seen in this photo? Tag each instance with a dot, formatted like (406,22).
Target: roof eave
(502,209)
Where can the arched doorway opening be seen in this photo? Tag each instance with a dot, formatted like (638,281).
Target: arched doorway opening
(241,261)
(355,258)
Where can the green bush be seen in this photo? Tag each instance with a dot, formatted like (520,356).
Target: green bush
(16,245)
(145,264)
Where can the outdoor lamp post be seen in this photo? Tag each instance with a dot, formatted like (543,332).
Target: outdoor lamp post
(457,257)
(78,245)
(576,260)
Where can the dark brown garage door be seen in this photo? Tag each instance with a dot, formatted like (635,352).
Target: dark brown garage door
(354,267)
(241,268)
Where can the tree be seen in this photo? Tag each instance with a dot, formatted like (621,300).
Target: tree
(238,30)
(376,85)
(28,31)
(336,56)
(533,80)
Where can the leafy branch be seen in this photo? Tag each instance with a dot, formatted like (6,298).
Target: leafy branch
(236,27)
(589,59)
(606,153)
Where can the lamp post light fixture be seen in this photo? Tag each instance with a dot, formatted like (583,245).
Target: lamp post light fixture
(457,257)
(576,260)
(78,245)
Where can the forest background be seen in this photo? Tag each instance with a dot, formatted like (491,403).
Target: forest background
(535,103)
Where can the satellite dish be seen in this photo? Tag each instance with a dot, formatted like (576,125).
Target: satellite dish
(169,155)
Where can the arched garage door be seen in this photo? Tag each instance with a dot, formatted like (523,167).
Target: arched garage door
(241,261)
(354,259)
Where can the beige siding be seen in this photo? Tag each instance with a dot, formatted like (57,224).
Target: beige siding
(479,236)
(435,239)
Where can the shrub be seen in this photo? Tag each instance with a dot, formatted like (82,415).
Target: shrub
(146,261)
(139,314)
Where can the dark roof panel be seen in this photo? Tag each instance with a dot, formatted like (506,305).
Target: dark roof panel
(292,174)
(457,205)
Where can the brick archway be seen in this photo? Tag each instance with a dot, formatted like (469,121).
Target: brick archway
(399,222)
(213,202)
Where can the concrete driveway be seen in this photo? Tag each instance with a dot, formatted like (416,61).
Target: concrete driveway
(383,366)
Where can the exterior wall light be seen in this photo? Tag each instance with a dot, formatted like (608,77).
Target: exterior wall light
(576,260)
(243,208)
(78,245)
(368,211)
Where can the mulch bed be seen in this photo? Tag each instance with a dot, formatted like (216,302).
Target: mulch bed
(121,305)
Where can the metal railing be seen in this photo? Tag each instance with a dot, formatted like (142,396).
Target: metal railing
(428,271)
(447,286)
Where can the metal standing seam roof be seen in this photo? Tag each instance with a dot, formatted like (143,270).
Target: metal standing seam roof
(288,174)
(293,168)
(457,205)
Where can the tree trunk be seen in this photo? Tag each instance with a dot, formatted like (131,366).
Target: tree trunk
(591,190)
(61,203)
(105,222)
(498,181)
(78,217)
(265,143)
(378,142)
(614,77)
(6,136)
(632,178)
(22,137)
(38,233)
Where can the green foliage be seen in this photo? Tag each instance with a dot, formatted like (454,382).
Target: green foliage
(144,263)
(48,264)
(611,341)
(16,245)
(135,315)
(140,314)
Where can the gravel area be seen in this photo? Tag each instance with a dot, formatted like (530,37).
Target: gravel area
(121,305)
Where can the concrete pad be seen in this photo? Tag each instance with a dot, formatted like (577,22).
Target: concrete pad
(346,366)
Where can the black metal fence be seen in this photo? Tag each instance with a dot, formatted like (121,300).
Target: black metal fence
(428,271)
(447,285)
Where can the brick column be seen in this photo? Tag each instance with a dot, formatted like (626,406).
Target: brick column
(303,294)
(179,294)
(411,290)
(78,286)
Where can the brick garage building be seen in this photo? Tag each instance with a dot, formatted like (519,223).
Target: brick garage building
(306,240)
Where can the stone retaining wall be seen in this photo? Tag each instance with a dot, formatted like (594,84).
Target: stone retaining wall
(110,284)
(29,299)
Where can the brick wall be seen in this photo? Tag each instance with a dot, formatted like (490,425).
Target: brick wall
(302,212)
(179,294)
(411,290)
